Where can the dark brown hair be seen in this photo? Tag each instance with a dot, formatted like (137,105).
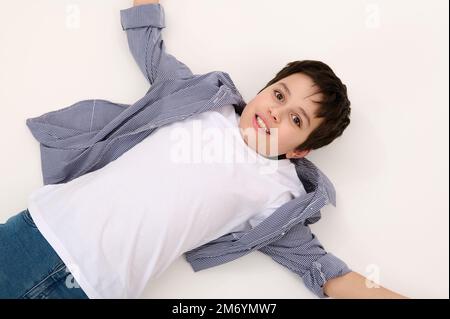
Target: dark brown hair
(334,107)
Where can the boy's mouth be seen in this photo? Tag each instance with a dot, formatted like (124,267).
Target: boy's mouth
(258,122)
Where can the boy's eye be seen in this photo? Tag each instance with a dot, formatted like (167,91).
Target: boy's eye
(299,124)
(277,94)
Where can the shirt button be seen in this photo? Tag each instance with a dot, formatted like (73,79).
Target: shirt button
(283,233)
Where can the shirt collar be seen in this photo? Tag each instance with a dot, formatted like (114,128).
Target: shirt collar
(313,179)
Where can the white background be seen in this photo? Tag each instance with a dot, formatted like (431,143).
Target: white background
(390,167)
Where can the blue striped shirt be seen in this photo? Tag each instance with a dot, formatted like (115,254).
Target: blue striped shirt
(89,134)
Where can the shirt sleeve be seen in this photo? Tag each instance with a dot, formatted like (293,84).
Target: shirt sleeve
(143,25)
(300,251)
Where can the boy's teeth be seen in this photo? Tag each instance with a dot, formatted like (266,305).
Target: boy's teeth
(261,123)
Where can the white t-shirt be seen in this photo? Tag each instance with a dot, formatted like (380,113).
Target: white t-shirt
(120,226)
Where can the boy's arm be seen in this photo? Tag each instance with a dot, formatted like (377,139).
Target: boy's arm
(356,286)
(300,251)
(143,24)
(323,273)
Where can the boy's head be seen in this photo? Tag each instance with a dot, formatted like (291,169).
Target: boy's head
(307,104)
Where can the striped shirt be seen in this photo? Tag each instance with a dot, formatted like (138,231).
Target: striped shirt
(89,134)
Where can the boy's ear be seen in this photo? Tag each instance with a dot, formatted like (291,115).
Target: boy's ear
(297,154)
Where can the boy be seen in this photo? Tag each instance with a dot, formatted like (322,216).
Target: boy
(104,213)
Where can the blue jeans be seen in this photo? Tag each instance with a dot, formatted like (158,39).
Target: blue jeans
(29,267)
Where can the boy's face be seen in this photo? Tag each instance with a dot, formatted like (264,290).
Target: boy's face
(280,110)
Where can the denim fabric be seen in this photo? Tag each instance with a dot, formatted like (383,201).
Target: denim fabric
(29,267)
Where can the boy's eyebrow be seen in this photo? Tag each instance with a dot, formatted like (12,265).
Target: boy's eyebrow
(301,109)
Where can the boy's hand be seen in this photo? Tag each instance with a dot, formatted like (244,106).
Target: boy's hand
(140,2)
(355,286)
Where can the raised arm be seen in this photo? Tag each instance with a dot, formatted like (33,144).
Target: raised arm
(143,24)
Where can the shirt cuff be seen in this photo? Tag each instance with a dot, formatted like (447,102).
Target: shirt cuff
(143,16)
(323,269)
